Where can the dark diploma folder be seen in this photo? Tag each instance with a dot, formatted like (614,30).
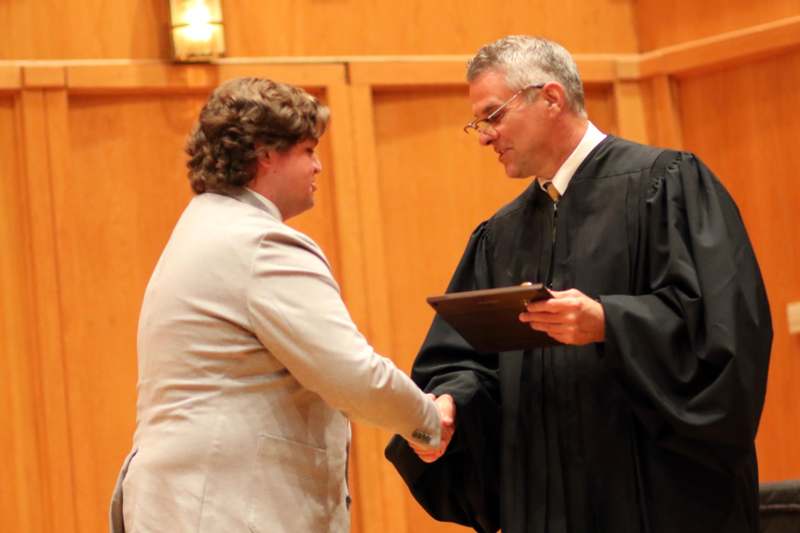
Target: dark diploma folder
(489,319)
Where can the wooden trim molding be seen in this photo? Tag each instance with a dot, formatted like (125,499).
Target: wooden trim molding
(405,73)
(169,77)
(722,49)
(10,78)
(388,71)
(44,77)
(449,70)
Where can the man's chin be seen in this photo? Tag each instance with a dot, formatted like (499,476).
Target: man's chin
(514,172)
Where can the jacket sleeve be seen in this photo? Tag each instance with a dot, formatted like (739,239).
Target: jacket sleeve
(297,313)
(463,485)
(692,346)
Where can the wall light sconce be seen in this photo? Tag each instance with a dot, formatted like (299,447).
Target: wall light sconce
(196,29)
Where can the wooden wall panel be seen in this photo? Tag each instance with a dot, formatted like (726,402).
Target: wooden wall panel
(435,185)
(52,29)
(10,269)
(629,105)
(306,27)
(49,29)
(42,118)
(125,190)
(743,122)
(600,106)
(21,492)
(663,23)
(660,98)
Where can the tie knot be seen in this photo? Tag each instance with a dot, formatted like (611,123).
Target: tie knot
(552,192)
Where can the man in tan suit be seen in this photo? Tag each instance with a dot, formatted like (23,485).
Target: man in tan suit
(249,363)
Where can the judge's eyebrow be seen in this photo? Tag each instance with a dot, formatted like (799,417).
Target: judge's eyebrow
(488,109)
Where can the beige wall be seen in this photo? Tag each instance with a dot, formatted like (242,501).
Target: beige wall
(92,180)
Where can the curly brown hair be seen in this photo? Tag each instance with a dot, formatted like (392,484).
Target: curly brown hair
(241,118)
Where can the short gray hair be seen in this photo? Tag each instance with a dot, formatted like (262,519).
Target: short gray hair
(529,60)
(241,118)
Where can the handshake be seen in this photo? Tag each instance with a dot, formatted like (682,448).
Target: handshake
(447,416)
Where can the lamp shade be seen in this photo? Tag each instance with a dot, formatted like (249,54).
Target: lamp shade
(196,29)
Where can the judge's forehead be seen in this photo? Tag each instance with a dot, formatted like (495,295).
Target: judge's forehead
(488,91)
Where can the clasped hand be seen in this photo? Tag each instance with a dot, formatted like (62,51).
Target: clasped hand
(447,416)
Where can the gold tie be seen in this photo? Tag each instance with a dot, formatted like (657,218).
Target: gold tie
(552,192)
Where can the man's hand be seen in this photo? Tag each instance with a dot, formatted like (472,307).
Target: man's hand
(447,414)
(569,316)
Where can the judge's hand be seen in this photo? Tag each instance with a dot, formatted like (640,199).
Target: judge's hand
(447,414)
(569,317)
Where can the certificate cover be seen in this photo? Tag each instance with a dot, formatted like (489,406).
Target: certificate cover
(489,319)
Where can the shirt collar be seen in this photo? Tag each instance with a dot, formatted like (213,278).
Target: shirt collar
(564,174)
(249,196)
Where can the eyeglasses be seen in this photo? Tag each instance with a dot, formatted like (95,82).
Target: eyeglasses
(485,126)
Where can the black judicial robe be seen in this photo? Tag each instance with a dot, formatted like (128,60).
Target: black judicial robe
(651,431)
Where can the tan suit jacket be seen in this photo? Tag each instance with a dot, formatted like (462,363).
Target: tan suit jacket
(249,365)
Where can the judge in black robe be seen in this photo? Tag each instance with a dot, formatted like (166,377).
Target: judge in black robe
(651,430)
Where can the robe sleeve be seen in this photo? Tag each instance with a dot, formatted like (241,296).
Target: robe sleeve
(462,486)
(692,346)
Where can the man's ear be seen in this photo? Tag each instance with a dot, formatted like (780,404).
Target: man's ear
(263,158)
(555,96)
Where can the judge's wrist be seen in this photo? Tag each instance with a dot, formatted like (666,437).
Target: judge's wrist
(600,326)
